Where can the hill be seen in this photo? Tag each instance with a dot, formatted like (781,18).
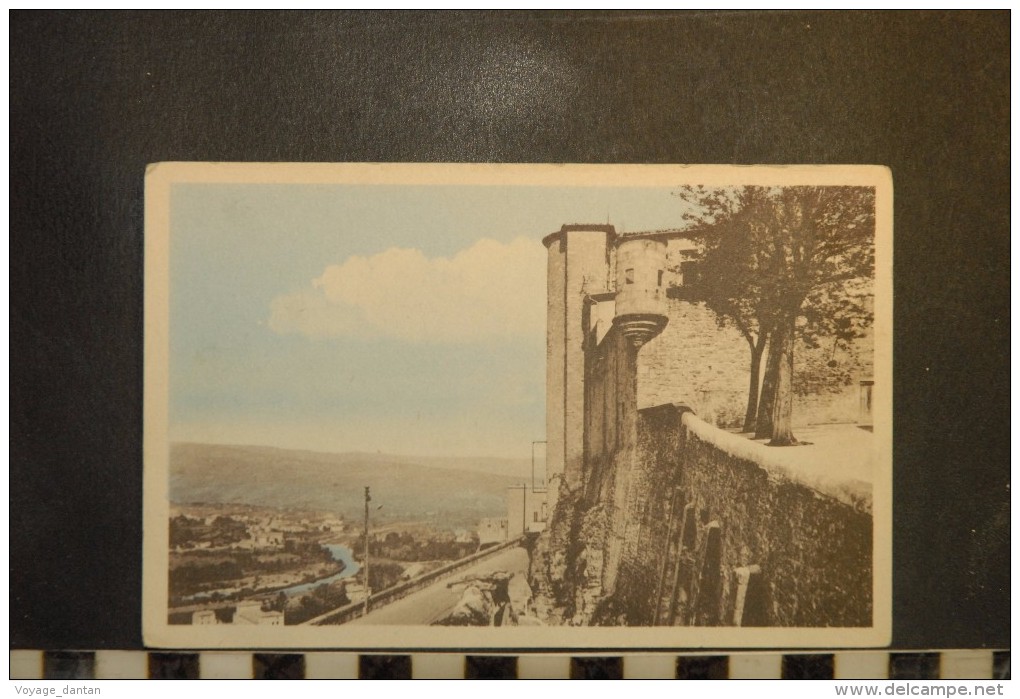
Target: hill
(287,478)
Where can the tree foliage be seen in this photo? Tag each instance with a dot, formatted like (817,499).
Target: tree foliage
(782,262)
(728,277)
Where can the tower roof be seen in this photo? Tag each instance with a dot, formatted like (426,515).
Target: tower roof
(606,228)
(612,237)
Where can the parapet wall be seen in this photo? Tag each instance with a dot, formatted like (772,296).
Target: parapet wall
(353,610)
(723,533)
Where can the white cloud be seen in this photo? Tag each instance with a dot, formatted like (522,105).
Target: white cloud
(489,291)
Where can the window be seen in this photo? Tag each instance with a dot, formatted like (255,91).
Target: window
(628,276)
(534,516)
(660,277)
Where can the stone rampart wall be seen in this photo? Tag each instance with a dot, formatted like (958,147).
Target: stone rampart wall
(724,534)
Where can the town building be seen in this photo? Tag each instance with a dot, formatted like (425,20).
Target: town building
(492,530)
(251,613)
(527,510)
(355,590)
(204,617)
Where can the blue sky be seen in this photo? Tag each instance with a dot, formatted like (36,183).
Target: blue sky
(393,318)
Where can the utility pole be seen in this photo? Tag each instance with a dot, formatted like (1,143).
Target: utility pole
(524,510)
(368,590)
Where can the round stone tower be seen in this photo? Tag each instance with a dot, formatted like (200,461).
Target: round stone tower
(640,288)
(577,267)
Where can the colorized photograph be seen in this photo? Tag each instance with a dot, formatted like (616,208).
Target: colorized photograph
(517,406)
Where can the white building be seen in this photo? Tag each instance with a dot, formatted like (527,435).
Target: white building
(355,591)
(250,613)
(526,510)
(492,530)
(205,617)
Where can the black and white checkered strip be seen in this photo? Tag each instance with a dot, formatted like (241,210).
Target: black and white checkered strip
(959,664)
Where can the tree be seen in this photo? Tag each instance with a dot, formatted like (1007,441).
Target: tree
(777,256)
(827,331)
(728,224)
(279,603)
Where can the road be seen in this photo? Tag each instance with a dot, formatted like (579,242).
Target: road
(435,601)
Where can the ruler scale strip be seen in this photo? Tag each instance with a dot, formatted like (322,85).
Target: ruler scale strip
(109,664)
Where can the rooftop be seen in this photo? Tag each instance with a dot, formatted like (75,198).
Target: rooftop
(612,234)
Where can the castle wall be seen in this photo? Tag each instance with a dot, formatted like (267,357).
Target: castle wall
(578,265)
(610,438)
(810,542)
(555,363)
(694,361)
(663,518)
(681,526)
(587,272)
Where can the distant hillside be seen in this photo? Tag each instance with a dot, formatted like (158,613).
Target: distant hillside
(517,468)
(404,486)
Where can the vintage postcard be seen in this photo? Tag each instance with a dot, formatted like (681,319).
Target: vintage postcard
(396,406)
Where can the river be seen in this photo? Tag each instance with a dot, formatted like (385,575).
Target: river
(340,553)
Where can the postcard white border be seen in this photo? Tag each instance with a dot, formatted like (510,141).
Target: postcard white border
(158,633)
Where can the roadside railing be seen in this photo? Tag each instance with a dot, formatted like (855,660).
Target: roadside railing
(346,613)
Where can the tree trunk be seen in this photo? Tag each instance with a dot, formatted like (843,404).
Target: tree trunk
(763,425)
(750,416)
(782,408)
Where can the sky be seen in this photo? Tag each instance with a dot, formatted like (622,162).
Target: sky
(383,318)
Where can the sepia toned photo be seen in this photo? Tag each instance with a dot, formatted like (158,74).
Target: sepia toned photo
(517,406)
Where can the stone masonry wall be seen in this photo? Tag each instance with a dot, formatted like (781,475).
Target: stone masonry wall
(813,550)
(555,362)
(610,440)
(696,362)
(575,561)
(586,273)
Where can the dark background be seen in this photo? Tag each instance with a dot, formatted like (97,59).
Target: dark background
(96,96)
